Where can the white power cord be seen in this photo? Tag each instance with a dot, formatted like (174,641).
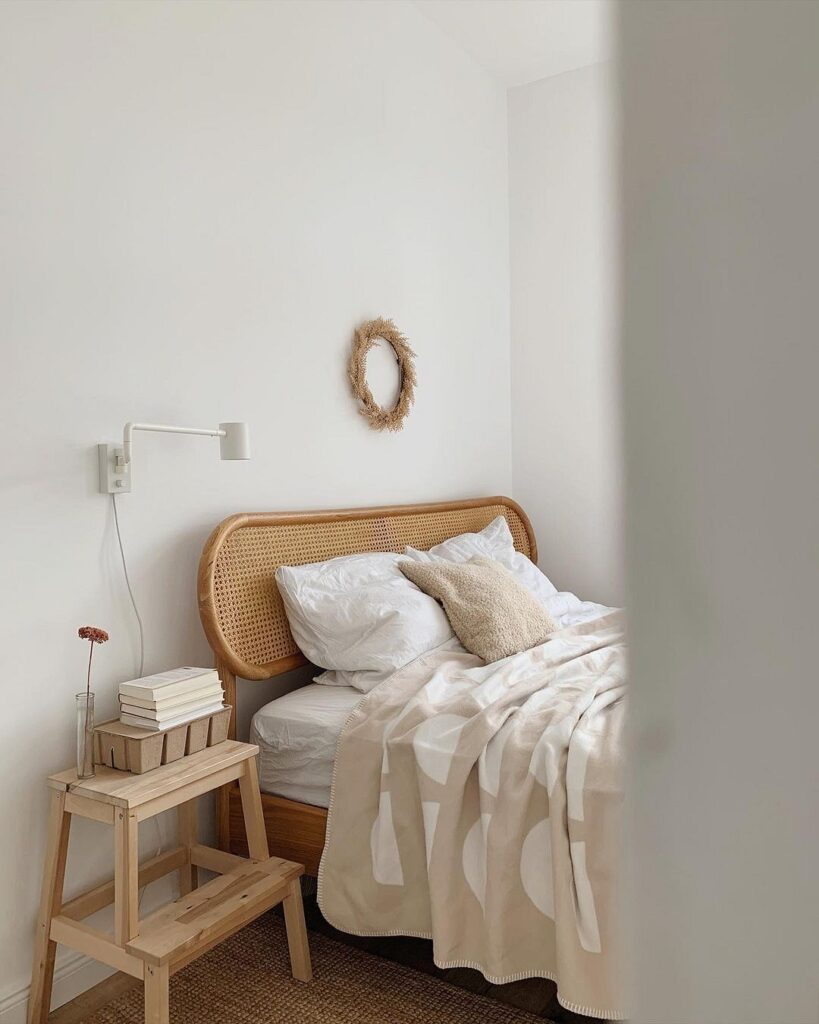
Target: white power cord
(141,657)
(130,591)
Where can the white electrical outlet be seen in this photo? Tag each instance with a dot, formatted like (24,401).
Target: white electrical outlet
(115,478)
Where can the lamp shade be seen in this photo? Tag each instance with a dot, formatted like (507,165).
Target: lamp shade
(235,443)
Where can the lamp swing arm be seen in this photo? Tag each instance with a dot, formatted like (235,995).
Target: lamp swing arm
(163,428)
(115,463)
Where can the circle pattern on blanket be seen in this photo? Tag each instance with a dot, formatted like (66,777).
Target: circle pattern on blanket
(386,860)
(429,811)
(489,762)
(536,868)
(474,858)
(434,744)
(440,689)
(548,752)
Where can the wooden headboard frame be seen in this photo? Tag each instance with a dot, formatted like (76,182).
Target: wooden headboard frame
(239,604)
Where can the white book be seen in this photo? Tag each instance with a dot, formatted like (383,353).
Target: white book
(166,714)
(169,684)
(206,693)
(171,723)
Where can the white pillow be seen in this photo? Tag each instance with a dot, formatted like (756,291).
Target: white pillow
(360,616)
(495,542)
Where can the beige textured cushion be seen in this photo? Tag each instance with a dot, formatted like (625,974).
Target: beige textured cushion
(492,614)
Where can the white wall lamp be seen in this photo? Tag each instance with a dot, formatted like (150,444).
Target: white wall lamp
(116,461)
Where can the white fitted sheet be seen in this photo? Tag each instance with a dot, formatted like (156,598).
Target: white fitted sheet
(297,736)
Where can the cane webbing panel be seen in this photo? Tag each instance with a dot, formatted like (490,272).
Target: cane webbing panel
(241,608)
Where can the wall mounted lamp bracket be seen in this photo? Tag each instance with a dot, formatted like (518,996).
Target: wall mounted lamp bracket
(116,460)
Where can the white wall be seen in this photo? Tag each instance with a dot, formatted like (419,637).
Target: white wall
(564,380)
(199,203)
(720,221)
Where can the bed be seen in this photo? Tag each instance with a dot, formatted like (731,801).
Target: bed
(471,794)
(246,626)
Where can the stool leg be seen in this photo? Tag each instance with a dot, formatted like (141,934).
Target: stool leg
(126,877)
(156,994)
(188,837)
(252,811)
(297,933)
(42,975)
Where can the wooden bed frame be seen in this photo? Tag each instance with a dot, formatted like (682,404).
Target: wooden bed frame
(246,625)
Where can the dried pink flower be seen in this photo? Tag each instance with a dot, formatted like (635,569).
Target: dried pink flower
(92,633)
(96,636)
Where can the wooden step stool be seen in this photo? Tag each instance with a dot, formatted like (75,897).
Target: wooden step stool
(172,936)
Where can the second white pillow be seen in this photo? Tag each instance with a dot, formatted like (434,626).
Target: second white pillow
(494,541)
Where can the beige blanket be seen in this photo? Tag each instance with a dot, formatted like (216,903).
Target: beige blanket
(480,806)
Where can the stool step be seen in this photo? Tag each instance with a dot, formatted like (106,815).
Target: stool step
(183,930)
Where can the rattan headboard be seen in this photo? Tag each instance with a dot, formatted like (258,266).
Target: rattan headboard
(239,602)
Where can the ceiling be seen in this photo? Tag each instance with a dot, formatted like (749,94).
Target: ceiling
(520,41)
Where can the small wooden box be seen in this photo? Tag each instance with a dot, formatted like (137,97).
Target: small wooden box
(131,749)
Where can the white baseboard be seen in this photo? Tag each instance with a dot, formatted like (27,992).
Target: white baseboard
(73,975)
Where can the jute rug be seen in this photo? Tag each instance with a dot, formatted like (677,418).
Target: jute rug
(246,980)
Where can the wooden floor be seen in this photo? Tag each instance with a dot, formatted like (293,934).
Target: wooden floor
(536,995)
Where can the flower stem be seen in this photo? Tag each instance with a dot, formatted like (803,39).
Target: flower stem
(87,703)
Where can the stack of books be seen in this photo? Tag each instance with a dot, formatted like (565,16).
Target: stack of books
(167,699)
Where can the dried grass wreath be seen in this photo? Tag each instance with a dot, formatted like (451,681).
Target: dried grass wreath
(365,337)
